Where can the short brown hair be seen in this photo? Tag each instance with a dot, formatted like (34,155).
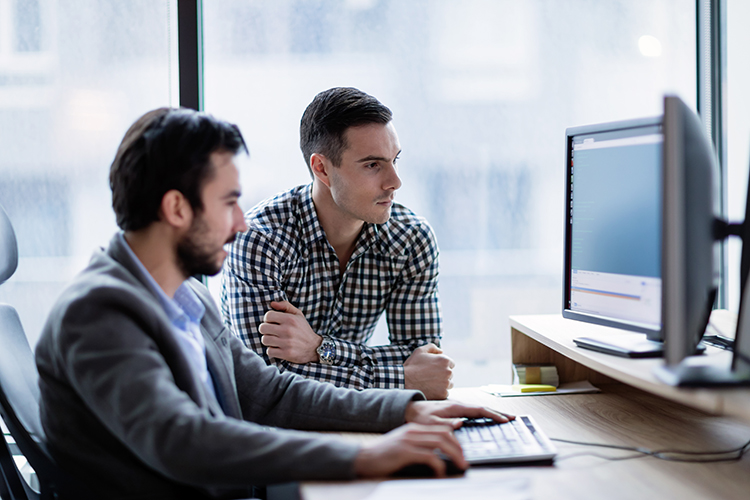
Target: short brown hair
(329,115)
(165,149)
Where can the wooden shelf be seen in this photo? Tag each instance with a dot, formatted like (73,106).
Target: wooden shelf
(549,339)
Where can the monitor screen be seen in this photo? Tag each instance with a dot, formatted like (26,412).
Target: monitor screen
(612,272)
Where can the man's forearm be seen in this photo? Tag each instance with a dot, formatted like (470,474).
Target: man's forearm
(353,377)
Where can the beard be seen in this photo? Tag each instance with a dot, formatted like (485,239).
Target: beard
(196,255)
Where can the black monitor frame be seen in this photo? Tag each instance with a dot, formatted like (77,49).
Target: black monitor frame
(690,252)
(570,133)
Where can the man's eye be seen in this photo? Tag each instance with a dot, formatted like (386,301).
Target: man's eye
(372,165)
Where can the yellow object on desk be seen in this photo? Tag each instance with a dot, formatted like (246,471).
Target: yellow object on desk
(534,388)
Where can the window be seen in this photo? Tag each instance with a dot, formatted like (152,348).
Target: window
(482,91)
(737,122)
(73,77)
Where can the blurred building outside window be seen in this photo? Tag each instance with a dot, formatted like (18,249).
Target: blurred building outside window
(73,76)
(481,91)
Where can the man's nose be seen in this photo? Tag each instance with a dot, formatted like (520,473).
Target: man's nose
(393,181)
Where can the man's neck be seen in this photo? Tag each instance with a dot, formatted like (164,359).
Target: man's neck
(157,254)
(341,230)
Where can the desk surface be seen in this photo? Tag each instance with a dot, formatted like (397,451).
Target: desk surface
(637,411)
(620,415)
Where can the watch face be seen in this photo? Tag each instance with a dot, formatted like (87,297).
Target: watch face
(327,350)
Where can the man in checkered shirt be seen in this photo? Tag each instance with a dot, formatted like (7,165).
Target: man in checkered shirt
(306,284)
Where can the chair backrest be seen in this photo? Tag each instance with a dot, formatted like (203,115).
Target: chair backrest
(8,248)
(19,398)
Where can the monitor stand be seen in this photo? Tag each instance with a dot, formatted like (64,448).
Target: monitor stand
(692,375)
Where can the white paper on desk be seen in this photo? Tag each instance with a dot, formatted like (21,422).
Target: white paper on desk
(506,391)
(475,488)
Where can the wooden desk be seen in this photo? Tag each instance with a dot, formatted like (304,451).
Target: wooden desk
(549,339)
(619,415)
(634,409)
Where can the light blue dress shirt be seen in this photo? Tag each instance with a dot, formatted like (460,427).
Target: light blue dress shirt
(185,312)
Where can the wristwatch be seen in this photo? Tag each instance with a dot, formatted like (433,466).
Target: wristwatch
(326,350)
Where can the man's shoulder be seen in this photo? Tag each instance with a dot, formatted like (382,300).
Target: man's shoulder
(405,229)
(104,278)
(102,290)
(272,226)
(275,212)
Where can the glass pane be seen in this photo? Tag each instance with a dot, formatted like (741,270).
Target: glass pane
(738,133)
(73,76)
(482,91)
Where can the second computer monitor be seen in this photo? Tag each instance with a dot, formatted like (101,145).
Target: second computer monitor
(612,272)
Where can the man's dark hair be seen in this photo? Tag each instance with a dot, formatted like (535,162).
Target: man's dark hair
(166,149)
(329,115)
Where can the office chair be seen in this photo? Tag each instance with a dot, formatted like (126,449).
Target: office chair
(19,400)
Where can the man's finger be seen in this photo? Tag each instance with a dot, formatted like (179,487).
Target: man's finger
(268,328)
(275,352)
(284,306)
(432,348)
(274,317)
(444,441)
(269,340)
(477,412)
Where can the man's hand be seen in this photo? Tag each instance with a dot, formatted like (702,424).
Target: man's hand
(430,371)
(287,335)
(447,413)
(409,444)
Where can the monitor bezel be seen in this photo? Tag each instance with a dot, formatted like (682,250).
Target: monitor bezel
(651,332)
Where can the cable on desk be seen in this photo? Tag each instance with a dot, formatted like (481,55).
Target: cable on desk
(597,455)
(705,456)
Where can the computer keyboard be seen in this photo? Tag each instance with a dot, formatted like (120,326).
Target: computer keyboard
(485,441)
(719,341)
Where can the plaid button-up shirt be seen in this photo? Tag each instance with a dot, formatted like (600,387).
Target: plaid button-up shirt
(285,255)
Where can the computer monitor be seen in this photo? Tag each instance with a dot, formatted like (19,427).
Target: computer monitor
(690,247)
(612,270)
(691,235)
(741,359)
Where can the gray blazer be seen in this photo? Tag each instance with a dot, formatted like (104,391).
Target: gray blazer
(123,410)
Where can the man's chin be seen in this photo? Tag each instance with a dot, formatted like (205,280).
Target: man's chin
(204,272)
(383,218)
(216,269)
(207,269)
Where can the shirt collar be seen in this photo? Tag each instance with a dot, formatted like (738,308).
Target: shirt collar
(185,306)
(309,224)
(311,230)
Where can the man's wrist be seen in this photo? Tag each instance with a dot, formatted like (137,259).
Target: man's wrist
(326,350)
(314,357)
(409,412)
(412,412)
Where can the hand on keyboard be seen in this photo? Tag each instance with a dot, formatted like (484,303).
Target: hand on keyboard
(476,422)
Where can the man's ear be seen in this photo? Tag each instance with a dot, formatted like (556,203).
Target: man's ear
(320,166)
(175,209)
